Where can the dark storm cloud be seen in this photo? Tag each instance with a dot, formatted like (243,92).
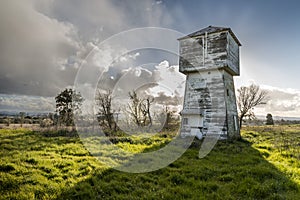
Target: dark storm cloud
(34,50)
(42,43)
(98,20)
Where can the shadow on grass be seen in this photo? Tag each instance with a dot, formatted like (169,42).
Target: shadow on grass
(38,166)
(233,170)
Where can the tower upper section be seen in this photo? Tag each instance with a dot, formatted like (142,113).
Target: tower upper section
(209,48)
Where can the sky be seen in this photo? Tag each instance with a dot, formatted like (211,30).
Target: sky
(44,44)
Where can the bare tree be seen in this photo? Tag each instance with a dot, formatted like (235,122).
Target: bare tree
(145,108)
(139,109)
(134,108)
(248,98)
(103,100)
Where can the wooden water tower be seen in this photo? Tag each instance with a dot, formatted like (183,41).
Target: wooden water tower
(210,58)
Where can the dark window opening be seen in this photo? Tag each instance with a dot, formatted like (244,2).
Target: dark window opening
(185,121)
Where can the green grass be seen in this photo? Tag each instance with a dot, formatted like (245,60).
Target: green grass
(264,165)
(279,145)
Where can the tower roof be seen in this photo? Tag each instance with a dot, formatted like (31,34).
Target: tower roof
(211,29)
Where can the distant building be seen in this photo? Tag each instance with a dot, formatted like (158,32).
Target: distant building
(210,58)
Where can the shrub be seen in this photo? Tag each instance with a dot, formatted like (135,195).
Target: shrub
(46,123)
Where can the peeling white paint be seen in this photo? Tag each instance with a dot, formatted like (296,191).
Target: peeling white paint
(210,62)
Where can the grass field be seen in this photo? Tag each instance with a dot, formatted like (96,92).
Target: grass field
(55,165)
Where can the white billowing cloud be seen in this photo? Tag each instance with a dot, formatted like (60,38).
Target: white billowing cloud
(170,77)
(162,82)
(158,2)
(94,69)
(126,57)
(169,90)
(282,102)
(160,78)
(163,99)
(27,103)
(105,55)
(133,79)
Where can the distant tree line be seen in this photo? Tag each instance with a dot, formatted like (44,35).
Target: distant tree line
(138,111)
(69,101)
(24,118)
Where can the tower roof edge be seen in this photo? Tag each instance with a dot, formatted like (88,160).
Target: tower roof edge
(211,29)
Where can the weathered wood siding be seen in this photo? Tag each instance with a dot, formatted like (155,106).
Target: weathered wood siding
(210,61)
(233,57)
(210,99)
(207,52)
(231,107)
